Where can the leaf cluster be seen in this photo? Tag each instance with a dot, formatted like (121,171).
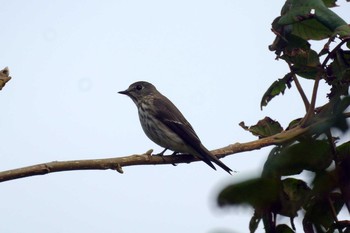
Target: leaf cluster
(281,190)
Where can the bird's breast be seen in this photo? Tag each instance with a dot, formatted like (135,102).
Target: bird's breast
(158,132)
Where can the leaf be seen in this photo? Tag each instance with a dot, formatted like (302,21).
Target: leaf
(306,71)
(313,20)
(343,151)
(332,21)
(293,123)
(276,88)
(296,194)
(280,164)
(330,3)
(259,193)
(283,228)
(264,128)
(340,121)
(344,169)
(322,205)
(280,42)
(343,31)
(291,160)
(311,29)
(304,61)
(254,222)
(338,73)
(325,182)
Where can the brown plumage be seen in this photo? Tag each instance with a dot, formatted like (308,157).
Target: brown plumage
(165,125)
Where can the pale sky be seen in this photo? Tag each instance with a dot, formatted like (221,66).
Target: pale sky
(68,60)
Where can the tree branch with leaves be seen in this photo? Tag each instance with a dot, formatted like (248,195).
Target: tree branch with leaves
(278,191)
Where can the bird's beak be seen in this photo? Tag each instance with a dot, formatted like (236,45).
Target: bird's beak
(124,92)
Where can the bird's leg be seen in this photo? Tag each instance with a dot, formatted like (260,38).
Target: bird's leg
(162,153)
(175,153)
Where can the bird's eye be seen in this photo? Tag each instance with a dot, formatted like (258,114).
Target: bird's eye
(138,87)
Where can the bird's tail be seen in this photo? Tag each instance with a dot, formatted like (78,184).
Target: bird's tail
(208,157)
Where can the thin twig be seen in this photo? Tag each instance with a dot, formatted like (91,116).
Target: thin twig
(301,91)
(299,87)
(332,53)
(311,110)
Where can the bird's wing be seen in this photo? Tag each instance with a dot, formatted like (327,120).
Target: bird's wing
(173,118)
(168,113)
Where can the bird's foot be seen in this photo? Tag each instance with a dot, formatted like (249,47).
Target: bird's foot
(175,153)
(161,153)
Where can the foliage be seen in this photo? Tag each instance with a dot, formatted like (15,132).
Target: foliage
(279,190)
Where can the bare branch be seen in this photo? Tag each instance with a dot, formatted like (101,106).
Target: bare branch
(147,159)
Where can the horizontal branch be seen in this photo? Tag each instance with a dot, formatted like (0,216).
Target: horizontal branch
(147,159)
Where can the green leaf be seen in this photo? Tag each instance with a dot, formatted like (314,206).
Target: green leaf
(291,160)
(343,151)
(313,20)
(276,88)
(332,21)
(305,61)
(319,212)
(259,193)
(343,31)
(294,123)
(340,121)
(264,128)
(330,3)
(280,42)
(296,194)
(254,222)
(311,29)
(338,73)
(324,183)
(295,13)
(340,67)
(306,71)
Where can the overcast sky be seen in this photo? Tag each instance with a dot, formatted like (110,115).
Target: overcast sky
(68,59)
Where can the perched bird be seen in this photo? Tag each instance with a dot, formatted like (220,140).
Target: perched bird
(165,125)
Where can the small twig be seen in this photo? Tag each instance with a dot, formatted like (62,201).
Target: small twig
(326,46)
(332,53)
(300,89)
(311,110)
(334,214)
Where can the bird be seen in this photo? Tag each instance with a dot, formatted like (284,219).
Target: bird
(165,125)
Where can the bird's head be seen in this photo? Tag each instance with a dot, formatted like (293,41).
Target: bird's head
(138,91)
